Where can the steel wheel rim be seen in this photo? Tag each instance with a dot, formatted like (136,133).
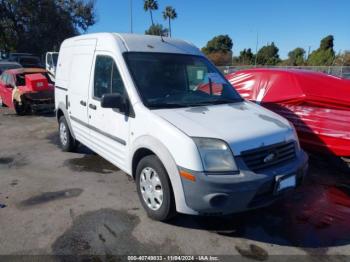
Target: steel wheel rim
(63,134)
(151,188)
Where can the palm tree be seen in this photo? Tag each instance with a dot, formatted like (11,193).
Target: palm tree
(169,14)
(150,5)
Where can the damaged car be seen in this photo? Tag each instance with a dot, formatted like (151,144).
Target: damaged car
(27,90)
(316,103)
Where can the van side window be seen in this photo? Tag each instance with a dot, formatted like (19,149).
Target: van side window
(107,79)
(117,82)
(102,79)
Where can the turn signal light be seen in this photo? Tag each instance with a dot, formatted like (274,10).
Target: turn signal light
(188,176)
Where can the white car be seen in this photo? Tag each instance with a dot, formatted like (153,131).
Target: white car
(160,111)
(51,64)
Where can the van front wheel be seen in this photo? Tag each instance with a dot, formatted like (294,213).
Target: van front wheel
(67,142)
(154,189)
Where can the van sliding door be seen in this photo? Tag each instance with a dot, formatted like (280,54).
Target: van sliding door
(79,87)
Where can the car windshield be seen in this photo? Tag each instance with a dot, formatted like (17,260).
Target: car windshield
(174,80)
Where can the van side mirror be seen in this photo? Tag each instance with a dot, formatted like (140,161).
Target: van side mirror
(114,101)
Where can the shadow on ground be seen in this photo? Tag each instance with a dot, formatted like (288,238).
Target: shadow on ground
(317,215)
(105,232)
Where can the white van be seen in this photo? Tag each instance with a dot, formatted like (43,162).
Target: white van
(160,111)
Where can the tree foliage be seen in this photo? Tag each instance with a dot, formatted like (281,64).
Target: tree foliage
(296,57)
(38,26)
(246,57)
(157,29)
(325,54)
(327,43)
(220,58)
(219,50)
(268,55)
(169,14)
(150,5)
(342,59)
(221,43)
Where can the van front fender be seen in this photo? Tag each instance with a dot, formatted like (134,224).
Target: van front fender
(161,151)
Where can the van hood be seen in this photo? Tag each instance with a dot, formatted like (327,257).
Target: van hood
(242,125)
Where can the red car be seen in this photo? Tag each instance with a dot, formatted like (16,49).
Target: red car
(27,90)
(317,104)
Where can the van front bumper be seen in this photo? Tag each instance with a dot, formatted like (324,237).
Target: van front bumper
(227,193)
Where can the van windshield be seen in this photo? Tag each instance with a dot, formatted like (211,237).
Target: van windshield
(174,80)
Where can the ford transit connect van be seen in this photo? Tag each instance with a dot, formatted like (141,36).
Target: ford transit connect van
(160,111)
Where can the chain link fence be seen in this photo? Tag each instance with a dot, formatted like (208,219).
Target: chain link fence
(340,71)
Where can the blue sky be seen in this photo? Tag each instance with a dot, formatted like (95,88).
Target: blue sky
(289,23)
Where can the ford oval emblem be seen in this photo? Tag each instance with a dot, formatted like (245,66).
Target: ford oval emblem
(269,157)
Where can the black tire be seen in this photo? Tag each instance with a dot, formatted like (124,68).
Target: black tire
(68,144)
(167,208)
(20,109)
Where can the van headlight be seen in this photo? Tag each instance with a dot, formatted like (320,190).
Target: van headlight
(216,155)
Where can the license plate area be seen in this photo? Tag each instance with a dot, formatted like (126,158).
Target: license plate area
(285,182)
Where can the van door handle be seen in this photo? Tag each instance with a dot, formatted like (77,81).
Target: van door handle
(92,106)
(83,103)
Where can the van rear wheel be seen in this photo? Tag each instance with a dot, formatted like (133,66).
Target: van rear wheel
(67,142)
(154,189)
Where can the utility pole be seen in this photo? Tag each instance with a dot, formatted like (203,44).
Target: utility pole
(256,48)
(131,18)
(308,53)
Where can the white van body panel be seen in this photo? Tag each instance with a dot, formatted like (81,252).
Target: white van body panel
(141,43)
(79,85)
(239,130)
(167,132)
(166,157)
(170,144)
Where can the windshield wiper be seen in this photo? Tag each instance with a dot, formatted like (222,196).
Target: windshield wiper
(215,102)
(203,103)
(227,101)
(167,105)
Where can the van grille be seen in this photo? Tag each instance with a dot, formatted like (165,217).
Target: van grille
(269,156)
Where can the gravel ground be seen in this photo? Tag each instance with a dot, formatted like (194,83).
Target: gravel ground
(55,203)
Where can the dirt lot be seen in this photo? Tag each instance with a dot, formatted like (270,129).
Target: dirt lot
(77,203)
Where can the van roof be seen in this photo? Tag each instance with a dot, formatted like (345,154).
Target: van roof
(140,43)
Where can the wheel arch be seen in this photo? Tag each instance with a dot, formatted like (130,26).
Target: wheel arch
(138,155)
(62,111)
(147,145)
